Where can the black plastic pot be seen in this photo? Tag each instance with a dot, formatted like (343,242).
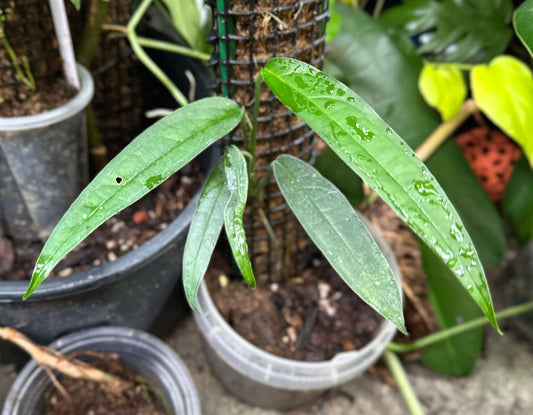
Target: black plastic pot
(144,354)
(130,291)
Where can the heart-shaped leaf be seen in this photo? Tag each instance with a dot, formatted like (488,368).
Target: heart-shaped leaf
(204,232)
(331,222)
(147,161)
(380,157)
(522,20)
(237,183)
(443,87)
(503,90)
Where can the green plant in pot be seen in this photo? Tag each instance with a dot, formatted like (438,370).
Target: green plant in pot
(61,306)
(352,129)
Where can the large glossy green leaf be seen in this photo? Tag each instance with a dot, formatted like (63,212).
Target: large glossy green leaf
(331,222)
(517,203)
(455,30)
(204,232)
(503,90)
(380,157)
(153,156)
(383,68)
(522,23)
(457,355)
(481,219)
(237,182)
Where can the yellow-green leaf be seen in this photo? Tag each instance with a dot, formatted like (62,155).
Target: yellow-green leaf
(443,87)
(503,90)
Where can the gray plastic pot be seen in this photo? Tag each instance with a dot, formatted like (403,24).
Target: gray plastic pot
(143,353)
(263,379)
(130,291)
(43,165)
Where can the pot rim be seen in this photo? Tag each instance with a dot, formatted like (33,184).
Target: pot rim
(95,277)
(56,115)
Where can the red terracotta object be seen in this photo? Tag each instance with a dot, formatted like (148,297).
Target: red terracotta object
(491,156)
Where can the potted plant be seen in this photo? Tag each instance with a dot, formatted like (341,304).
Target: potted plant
(159,373)
(98,295)
(360,138)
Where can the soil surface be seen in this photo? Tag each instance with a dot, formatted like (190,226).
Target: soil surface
(311,317)
(82,397)
(29,30)
(118,235)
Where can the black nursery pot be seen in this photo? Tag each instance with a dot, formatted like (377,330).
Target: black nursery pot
(142,353)
(130,291)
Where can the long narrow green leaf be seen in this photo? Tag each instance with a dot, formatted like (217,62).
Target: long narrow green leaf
(456,355)
(147,161)
(237,183)
(331,222)
(380,157)
(204,232)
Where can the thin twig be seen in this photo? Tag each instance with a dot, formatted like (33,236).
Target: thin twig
(50,358)
(444,130)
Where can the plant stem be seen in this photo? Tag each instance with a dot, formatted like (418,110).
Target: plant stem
(92,30)
(274,241)
(455,330)
(404,386)
(146,60)
(25,76)
(173,48)
(52,359)
(444,130)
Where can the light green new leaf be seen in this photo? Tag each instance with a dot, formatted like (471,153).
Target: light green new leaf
(523,24)
(237,183)
(204,232)
(191,19)
(380,157)
(503,90)
(443,87)
(147,161)
(331,222)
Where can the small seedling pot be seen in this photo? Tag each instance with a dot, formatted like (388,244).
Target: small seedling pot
(143,353)
(43,165)
(263,379)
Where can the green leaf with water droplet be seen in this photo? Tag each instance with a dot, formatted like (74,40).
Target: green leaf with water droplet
(237,182)
(331,222)
(523,24)
(152,157)
(503,90)
(443,87)
(455,355)
(204,232)
(380,157)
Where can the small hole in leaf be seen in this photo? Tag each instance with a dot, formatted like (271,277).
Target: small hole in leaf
(118,180)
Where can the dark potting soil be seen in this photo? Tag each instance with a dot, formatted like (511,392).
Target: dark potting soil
(89,397)
(310,317)
(120,234)
(46,98)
